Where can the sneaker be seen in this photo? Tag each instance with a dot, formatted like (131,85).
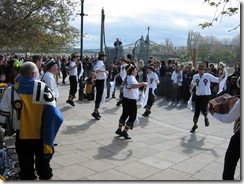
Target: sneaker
(95,115)
(146,113)
(125,135)
(206,122)
(70,102)
(194,128)
(118,131)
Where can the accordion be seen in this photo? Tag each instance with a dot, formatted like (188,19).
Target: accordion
(223,104)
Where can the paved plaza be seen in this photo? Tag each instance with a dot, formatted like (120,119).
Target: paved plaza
(161,148)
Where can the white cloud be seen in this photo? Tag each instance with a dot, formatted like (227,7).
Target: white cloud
(129,19)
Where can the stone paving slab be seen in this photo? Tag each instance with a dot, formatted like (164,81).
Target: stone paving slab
(161,149)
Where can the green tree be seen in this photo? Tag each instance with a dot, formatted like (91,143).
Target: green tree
(222,8)
(37,25)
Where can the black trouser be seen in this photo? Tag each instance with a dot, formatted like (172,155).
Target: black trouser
(232,156)
(129,110)
(73,85)
(201,105)
(90,96)
(168,85)
(151,99)
(81,89)
(99,92)
(64,74)
(30,152)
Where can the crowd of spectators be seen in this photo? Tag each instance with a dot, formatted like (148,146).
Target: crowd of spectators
(175,77)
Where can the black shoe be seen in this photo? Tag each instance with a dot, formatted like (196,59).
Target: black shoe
(107,97)
(125,135)
(206,122)
(95,115)
(113,97)
(194,128)
(118,131)
(99,115)
(70,102)
(146,113)
(63,82)
(118,103)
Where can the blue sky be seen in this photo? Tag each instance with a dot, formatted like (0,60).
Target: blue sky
(167,19)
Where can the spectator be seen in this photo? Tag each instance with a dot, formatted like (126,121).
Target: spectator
(36,126)
(187,77)
(51,68)
(177,79)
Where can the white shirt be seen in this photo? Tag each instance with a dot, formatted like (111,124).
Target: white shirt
(177,78)
(128,92)
(151,80)
(100,66)
(123,72)
(203,83)
(48,78)
(74,71)
(232,115)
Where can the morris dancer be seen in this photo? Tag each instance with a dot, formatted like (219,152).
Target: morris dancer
(129,101)
(202,82)
(152,81)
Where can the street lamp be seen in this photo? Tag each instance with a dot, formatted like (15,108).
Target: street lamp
(81,47)
(81,28)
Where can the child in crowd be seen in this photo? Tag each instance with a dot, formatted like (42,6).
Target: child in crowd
(90,87)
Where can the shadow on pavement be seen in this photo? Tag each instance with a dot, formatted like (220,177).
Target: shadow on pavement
(73,129)
(115,147)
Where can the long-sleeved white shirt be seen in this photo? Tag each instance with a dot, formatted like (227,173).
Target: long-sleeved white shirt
(232,115)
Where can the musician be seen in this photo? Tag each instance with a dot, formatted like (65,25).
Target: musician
(202,82)
(232,154)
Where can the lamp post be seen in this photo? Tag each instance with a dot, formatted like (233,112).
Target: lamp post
(81,29)
(81,47)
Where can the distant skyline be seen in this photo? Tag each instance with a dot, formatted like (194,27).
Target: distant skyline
(167,19)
